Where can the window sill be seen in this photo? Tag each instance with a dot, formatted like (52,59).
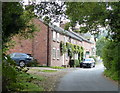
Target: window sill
(53,58)
(58,41)
(54,40)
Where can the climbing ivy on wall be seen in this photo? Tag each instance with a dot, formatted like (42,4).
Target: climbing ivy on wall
(63,48)
(71,49)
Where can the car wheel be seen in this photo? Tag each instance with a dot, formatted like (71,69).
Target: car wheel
(22,63)
(81,66)
(91,66)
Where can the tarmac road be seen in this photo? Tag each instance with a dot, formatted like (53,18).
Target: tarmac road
(87,79)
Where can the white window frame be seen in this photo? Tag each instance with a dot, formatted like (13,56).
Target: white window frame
(66,56)
(58,37)
(54,36)
(54,56)
(71,41)
(75,56)
(58,57)
(65,39)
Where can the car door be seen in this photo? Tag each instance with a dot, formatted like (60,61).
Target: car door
(18,57)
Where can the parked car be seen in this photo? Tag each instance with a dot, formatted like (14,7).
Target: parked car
(21,59)
(88,62)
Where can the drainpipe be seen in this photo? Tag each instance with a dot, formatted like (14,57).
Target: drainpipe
(33,45)
(48,56)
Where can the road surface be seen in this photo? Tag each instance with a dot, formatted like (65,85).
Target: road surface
(87,79)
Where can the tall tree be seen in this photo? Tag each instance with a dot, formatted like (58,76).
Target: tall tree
(91,16)
(94,15)
(99,46)
(16,20)
(54,10)
(11,21)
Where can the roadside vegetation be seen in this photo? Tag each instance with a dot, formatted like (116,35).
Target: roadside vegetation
(110,56)
(109,52)
(57,67)
(16,20)
(16,79)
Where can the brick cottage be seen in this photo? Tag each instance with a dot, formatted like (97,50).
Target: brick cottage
(45,46)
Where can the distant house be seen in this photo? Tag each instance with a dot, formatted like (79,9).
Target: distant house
(45,46)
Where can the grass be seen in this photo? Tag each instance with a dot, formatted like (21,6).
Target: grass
(40,78)
(44,70)
(26,76)
(57,67)
(44,66)
(27,81)
(32,87)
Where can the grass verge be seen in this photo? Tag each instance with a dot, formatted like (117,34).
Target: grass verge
(38,70)
(27,82)
(112,75)
(57,67)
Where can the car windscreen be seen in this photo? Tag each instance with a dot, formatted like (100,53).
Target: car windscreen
(20,55)
(88,60)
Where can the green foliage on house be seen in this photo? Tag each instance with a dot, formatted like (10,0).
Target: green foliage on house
(72,49)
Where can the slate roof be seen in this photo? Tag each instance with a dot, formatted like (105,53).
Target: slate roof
(67,33)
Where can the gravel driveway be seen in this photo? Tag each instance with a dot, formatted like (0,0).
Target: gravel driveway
(52,78)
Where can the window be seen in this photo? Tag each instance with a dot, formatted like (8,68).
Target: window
(66,56)
(87,52)
(65,39)
(20,55)
(71,40)
(54,53)
(58,53)
(54,35)
(75,56)
(58,37)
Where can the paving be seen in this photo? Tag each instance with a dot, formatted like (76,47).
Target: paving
(87,79)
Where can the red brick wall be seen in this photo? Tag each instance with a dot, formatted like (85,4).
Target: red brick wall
(62,60)
(40,43)
(55,44)
(21,45)
(38,48)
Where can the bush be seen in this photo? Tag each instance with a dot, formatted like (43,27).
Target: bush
(71,63)
(33,64)
(110,55)
(112,75)
(77,63)
(15,79)
(10,76)
(74,63)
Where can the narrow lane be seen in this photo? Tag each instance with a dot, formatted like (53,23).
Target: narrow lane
(87,79)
